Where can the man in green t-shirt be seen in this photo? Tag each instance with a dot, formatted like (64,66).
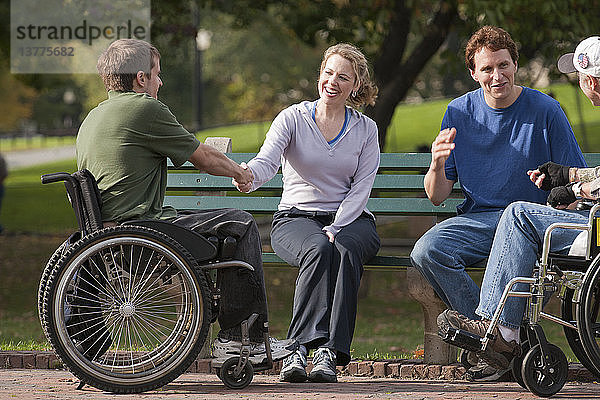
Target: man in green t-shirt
(125,142)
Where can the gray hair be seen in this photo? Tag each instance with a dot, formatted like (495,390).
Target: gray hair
(119,64)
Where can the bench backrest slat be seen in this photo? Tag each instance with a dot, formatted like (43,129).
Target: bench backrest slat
(262,205)
(195,181)
(398,188)
(391,161)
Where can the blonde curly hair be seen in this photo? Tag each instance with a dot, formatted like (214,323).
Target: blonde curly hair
(367,90)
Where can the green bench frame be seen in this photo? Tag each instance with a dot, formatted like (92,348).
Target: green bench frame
(398,190)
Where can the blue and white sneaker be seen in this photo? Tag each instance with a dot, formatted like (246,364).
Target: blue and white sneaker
(294,367)
(324,366)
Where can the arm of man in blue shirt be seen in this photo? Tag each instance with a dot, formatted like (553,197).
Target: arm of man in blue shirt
(437,186)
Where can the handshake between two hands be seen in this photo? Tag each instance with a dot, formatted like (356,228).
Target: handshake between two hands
(244,184)
(554,177)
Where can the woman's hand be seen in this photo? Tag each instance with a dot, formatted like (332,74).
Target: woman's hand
(246,185)
(330,236)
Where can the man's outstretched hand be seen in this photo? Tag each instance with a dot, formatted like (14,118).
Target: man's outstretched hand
(245,183)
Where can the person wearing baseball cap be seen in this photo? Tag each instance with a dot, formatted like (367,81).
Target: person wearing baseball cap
(586,61)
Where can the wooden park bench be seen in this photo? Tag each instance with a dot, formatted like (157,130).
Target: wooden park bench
(398,191)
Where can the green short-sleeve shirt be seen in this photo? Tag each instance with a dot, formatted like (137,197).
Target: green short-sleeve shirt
(125,142)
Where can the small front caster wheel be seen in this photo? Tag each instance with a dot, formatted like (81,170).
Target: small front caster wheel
(517,363)
(227,375)
(468,359)
(545,376)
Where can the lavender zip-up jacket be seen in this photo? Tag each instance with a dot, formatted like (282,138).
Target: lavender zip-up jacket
(318,176)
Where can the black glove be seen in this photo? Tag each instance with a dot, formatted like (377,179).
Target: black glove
(561,196)
(556,175)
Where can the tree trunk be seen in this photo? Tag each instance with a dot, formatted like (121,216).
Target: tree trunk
(396,73)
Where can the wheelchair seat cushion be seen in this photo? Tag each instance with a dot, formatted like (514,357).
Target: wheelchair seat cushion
(579,246)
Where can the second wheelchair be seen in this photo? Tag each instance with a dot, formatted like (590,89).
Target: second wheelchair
(542,367)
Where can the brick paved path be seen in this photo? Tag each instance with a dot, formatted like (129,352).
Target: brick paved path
(30,384)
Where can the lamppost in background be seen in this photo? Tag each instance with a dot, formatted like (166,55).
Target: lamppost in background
(202,44)
(68,98)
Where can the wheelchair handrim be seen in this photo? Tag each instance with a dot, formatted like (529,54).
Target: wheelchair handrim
(143,366)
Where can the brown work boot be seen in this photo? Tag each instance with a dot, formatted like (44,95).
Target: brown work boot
(498,352)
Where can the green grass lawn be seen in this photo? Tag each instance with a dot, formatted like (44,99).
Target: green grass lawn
(418,124)
(29,206)
(34,142)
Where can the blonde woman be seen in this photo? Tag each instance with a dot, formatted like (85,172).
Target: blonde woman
(329,155)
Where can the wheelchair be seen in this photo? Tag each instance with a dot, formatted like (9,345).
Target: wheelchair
(541,367)
(127,308)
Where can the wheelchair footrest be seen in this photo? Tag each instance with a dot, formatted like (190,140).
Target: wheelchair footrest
(463,339)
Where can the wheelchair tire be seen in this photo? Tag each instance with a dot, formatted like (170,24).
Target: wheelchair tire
(126,309)
(467,358)
(545,378)
(588,313)
(572,335)
(517,363)
(48,269)
(228,377)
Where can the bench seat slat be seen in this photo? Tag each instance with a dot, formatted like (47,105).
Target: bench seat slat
(377,262)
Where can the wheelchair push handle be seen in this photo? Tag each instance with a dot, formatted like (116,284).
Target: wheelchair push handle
(56,177)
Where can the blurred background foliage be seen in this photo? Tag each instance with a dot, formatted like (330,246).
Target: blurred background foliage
(265,54)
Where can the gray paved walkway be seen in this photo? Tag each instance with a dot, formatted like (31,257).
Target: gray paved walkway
(25,158)
(53,384)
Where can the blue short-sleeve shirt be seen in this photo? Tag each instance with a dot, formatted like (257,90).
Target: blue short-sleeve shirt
(495,147)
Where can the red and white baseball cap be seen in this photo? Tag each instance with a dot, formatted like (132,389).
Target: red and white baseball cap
(585,59)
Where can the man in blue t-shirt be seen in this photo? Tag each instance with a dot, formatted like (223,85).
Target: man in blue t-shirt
(490,137)
(522,227)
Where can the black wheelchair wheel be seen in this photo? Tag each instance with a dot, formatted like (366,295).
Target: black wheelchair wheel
(126,309)
(48,269)
(467,358)
(568,310)
(588,313)
(517,363)
(544,377)
(227,375)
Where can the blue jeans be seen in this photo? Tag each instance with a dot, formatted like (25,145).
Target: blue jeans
(444,251)
(516,248)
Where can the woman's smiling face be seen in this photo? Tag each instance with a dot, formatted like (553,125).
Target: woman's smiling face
(337,80)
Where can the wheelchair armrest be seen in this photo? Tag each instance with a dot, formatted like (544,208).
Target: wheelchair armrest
(563,261)
(198,246)
(585,204)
